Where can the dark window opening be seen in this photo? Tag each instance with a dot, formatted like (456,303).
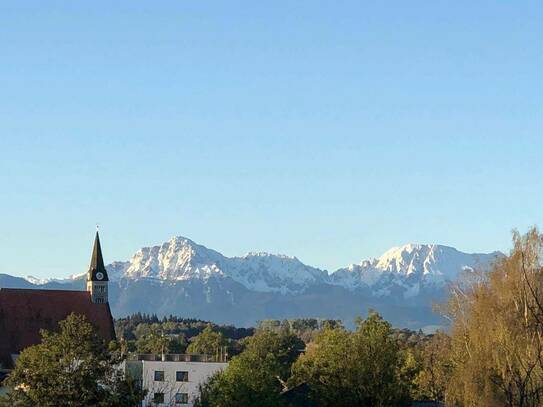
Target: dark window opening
(159,375)
(181,376)
(158,398)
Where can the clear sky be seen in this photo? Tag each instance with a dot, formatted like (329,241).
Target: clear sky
(326,130)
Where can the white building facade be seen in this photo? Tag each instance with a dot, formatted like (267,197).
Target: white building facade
(174,380)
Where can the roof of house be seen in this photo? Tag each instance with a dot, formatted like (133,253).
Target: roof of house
(24,312)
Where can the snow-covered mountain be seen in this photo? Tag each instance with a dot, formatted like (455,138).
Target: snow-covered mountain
(411,268)
(184,278)
(406,269)
(182,259)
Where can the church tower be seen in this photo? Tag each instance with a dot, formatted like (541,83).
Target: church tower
(97,280)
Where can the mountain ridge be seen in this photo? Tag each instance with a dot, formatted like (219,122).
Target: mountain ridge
(185,278)
(181,258)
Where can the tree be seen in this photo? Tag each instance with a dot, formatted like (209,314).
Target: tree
(363,368)
(435,368)
(71,367)
(154,342)
(157,342)
(208,342)
(255,377)
(497,332)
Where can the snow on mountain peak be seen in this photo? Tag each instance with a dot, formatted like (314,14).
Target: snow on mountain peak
(412,266)
(406,270)
(272,272)
(182,259)
(36,280)
(431,259)
(177,259)
(266,254)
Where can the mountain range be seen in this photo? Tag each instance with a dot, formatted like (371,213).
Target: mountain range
(184,278)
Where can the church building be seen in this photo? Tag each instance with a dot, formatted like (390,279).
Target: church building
(24,312)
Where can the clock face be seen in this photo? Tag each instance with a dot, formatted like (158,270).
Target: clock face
(99,275)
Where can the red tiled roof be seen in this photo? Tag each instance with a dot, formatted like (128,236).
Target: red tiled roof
(23,312)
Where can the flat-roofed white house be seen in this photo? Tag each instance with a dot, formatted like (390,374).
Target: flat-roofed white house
(173,380)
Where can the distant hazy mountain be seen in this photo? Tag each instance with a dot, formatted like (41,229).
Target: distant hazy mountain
(184,278)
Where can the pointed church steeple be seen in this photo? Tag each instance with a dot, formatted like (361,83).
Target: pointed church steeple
(97,279)
(97,268)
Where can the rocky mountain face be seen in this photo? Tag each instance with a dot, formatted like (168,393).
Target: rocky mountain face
(180,259)
(184,278)
(412,268)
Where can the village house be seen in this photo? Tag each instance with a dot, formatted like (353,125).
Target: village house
(172,379)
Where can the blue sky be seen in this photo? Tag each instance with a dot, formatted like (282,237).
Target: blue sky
(326,130)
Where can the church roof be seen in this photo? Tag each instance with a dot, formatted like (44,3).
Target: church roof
(97,262)
(24,312)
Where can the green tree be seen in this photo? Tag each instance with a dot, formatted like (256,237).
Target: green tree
(208,342)
(177,344)
(72,367)
(255,377)
(363,368)
(158,339)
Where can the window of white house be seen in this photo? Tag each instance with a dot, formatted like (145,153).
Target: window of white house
(158,398)
(181,398)
(181,376)
(159,375)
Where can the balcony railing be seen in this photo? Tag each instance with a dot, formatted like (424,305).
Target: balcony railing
(169,357)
